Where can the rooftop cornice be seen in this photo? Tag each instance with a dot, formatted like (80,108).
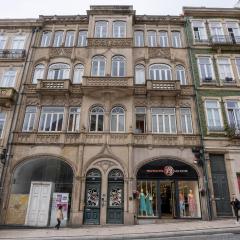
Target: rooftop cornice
(19,23)
(159,19)
(211,12)
(111,9)
(63,19)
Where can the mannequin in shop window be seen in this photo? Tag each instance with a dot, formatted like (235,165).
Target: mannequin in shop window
(182,204)
(142,204)
(191,203)
(149,199)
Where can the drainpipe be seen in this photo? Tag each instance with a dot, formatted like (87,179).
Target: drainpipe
(15,116)
(205,172)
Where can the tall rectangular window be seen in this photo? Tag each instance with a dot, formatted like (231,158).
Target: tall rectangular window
(82,38)
(119,29)
(163,37)
(152,39)
(186,120)
(46,39)
(69,42)
(101,29)
(2,122)
(238,66)
(217,32)
(163,120)
(74,119)
(139,38)
(140,113)
(234,31)
(233,113)
(205,68)
(8,78)
(18,42)
(199,31)
(214,116)
(176,40)
(29,119)
(3,40)
(58,39)
(225,69)
(51,119)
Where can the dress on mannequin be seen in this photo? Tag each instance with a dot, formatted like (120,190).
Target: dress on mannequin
(191,203)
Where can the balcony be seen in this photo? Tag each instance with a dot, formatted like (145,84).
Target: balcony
(233,131)
(110,42)
(225,41)
(7,96)
(163,87)
(53,86)
(12,54)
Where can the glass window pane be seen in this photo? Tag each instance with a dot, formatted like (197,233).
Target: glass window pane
(113,123)
(121,123)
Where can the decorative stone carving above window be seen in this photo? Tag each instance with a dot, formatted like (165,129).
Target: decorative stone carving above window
(110,42)
(159,52)
(64,52)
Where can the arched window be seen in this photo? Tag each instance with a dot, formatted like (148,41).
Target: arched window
(181,76)
(98,66)
(118,66)
(117,119)
(96,119)
(101,28)
(58,39)
(59,71)
(119,29)
(160,72)
(38,73)
(78,73)
(140,74)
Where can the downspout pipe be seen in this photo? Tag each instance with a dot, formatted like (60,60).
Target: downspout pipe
(197,104)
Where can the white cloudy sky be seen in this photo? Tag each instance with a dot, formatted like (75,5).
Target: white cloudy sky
(34,8)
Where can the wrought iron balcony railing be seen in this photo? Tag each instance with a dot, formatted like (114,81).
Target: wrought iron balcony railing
(225,40)
(12,53)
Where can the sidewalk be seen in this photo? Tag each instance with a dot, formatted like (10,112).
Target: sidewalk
(178,228)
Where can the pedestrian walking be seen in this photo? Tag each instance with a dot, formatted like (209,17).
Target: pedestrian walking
(59,217)
(236,206)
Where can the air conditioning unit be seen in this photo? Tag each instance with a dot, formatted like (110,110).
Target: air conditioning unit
(208,79)
(228,79)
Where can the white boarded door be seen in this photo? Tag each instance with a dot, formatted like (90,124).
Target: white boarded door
(38,204)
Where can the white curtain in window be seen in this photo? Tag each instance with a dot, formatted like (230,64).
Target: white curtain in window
(38,73)
(78,73)
(59,71)
(140,74)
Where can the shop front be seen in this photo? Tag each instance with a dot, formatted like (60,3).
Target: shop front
(167,189)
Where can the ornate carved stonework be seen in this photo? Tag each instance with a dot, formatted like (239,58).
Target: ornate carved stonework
(159,53)
(108,81)
(105,165)
(32,101)
(75,101)
(110,42)
(58,52)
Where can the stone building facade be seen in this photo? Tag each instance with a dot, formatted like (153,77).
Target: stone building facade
(107,123)
(213,36)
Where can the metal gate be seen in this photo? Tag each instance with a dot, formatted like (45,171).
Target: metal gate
(92,197)
(115,201)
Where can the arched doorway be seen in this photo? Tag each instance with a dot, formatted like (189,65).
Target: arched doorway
(168,189)
(115,201)
(39,186)
(92,197)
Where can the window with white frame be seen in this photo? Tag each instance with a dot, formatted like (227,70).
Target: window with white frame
(186,120)
(160,72)
(176,39)
(217,32)
(38,73)
(238,66)
(119,29)
(9,78)
(140,114)
(59,71)
(225,69)
(163,37)
(29,119)
(233,113)
(163,120)
(117,119)
(118,66)
(78,74)
(101,29)
(51,119)
(74,119)
(181,75)
(2,123)
(233,31)
(152,38)
(18,42)
(139,39)
(139,74)
(3,40)
(46,39)
(214,115)
(98,66)
(82,38)
(205,69)
(96,119)
(58,39)
(69,41)
(199,31)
